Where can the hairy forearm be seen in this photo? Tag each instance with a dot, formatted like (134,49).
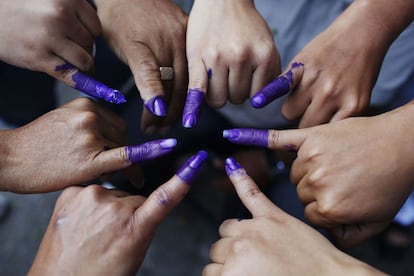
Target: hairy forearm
(377,22)
(5,143)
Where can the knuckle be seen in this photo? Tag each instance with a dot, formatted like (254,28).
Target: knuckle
(163,195)
(86,119)
(253,192)
(93,192)
(274,137)
(216,101)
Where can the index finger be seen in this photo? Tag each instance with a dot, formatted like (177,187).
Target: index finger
(147,77)
(251,196)
(288,140)
(161,202)
(73,77)
(198,79)
(279,87)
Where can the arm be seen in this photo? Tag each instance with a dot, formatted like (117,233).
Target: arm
(76,143)
(353,175)
(273,242)
(94,231)
(341,65)
(231,54)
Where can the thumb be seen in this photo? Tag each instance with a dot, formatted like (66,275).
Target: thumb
(161,202)
(123,157)
(251,196)
(147,77)
(74,78)
(279,87)
(289,140)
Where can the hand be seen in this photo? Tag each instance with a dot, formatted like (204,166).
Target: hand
(45,34)
(75,143)
(231,54)
(353,175)
(273,242)
(94,231)
(341,65)
(148,35)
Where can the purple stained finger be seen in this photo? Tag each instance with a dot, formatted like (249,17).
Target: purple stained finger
(150,150)
(156,105)
(247,136)
(276,89)
(209,73)
(233,167)
(92,87)
(192,167)
(192,108)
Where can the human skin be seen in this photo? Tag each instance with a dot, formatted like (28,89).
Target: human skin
(41,35)
(231,53)
(341,65)
(273,242)
(76,143)
(353,175)
(147,35)
(94,231)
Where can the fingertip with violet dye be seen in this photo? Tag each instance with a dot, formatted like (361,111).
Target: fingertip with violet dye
(192,167)
(192,108)
(150,150)
(247,136)
(90,86)
(156,105)
(279,87)
(234,168)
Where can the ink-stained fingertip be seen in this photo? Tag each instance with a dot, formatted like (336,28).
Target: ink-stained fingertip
(150,150)
(192,167)
(258,101)
(114,96)
(231,134)
(192,108)
(156,105)
(189,121)
(233,167)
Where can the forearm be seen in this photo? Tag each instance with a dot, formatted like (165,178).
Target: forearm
(5,143)
(377,23)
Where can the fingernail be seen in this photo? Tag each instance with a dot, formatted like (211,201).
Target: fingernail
(192,167)
(92,87)
(257,101)
(150,150)
(246,136)
(231,133)
(233,167)
(192,108)
(157,106)
(189,121)
(168,143)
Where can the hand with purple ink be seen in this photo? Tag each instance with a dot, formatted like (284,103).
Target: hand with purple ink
(352,175)
(148,35)
(272,242)
(43,35)
(95,231)
(231,55)
(76,143)
(341,65)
